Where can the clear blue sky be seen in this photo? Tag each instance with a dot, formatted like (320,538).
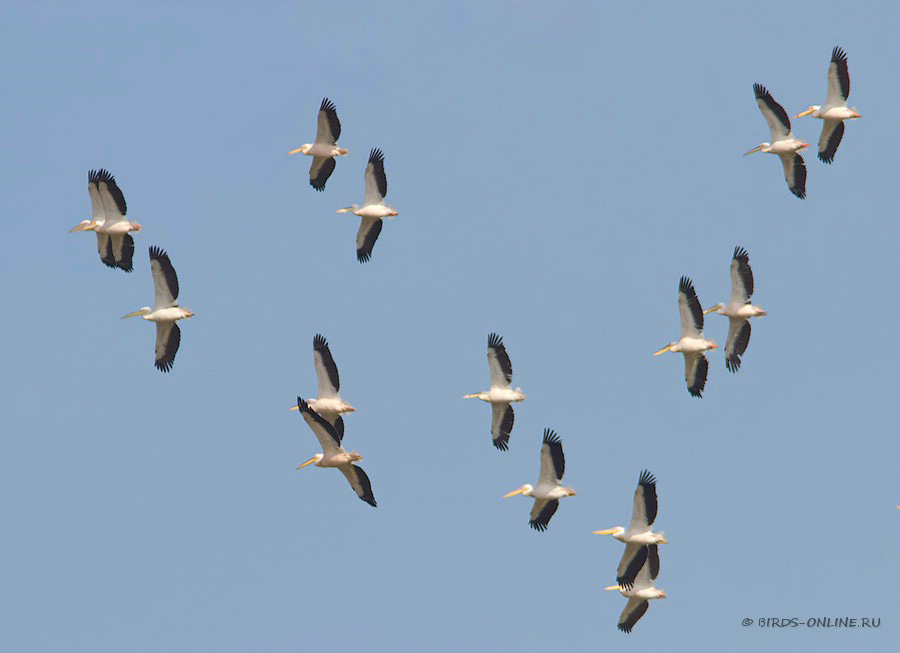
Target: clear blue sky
(557,167)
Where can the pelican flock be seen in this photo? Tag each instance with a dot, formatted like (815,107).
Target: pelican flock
(373,210)
(639,565)
(334,455)
(739,310)
(114,242)
(835,111)
(692,343)
(549,489)
(329,403)
(325,148)
(165,312)
(784,143)
(500,396)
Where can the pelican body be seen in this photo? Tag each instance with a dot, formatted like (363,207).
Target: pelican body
(784,144)
(692,343)
(639,596)
(500,395)
(739,310)
(114,242)
(373,210)
(323,151)
(549,489)
(166,311)
(835,111)
(640,542)
(334,455)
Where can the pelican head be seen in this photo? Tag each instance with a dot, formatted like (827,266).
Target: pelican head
(717,308)
(140,311)
(476,395)
(348,209)
(84,225)
(668,347)
(762,147)
(614,531)
(314,460)
(303,149)
(525,490)
(808,112)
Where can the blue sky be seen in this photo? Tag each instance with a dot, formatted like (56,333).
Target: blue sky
(557,167)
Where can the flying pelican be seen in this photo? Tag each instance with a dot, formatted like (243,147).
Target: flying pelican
(549,490)
(114,244)
(166,311)
(501,395)
(692,343)
(329,404)
(834,112)
(373,209)
(323,151)
(334,454)
(640,541)
(639,596)
(783,142)
(738,310)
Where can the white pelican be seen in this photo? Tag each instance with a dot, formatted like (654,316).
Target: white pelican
(783,142)
(334,454)
(692,343)
(640,541)
(739,309)
(834,112)
(373,209)
(323,151)
(549,489)
(166,311)
(501,395)
(114,244)
(639,597)
(329,404)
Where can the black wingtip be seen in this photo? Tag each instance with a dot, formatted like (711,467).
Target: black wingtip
(376,155)
(539,527)
(741,254)
(319,342)
(733,364)
(647,478)
(550,437)
(760,91)
(838,55)
(157,254)
(362,256)
(685,285)
(327,105)
(502,443)
(302,406)
(494,340)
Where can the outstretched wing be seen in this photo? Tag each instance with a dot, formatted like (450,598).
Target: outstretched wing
(502,418)
(736,344)
(696,368)
(498,362)
(689,309)
(832,133)
(376,181)
(328,127)
(360,483)
(794,173)
(326,369)
(741,277)
(168,337)
(165,281)
(369,228)
(775,115)
(541,513)
(320,170)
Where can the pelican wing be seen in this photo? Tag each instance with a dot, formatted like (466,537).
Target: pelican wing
(328,128)
(123,251)
(369,228)
(838,79)
(643,514)
(165,281)
(794,173)
(168,337)
(376,181)
(498,362)
(114,207)
(323,430)
(105,249)
(541,513)
(653,560)
(97,212)
(634,610)
(360,483)
(832,133)
(502,418)
(338,423)
(741,277)
(326,370)
(775,115)
(695,369)
(320,170)
(736,344)
(553,462)
(690,310)
(633,558)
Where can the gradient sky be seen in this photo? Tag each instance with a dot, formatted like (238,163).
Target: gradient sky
(557,167)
